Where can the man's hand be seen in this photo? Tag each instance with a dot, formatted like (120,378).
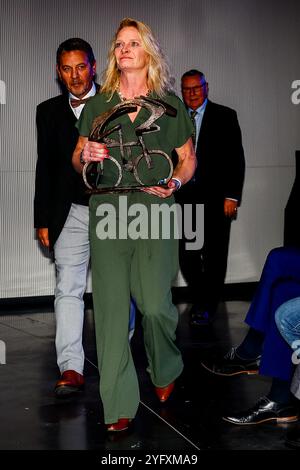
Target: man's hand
(43,236)
(230,208)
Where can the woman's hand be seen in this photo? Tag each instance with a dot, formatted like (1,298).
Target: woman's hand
(94,152)
(162,191)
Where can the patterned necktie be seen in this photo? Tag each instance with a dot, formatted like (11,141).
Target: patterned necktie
(76,103)
(192,115)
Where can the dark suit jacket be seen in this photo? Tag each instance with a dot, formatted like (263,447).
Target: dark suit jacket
(57,184)
(220,155)
(291,228)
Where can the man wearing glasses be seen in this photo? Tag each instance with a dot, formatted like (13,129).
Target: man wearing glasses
(217,183)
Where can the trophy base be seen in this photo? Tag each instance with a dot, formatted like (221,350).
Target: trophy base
(122,189)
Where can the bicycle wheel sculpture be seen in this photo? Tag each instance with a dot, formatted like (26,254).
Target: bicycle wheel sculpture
(145,163)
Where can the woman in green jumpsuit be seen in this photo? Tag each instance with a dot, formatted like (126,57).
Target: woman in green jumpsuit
(142,265)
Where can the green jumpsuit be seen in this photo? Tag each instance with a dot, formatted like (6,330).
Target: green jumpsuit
(142,267)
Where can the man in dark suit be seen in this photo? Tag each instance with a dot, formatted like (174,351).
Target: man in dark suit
(61,205)
(61,213)
(217,184)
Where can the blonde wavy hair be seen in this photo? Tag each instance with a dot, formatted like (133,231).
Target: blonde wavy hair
(159,78)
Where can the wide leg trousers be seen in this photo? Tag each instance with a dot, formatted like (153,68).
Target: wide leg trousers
(144,268)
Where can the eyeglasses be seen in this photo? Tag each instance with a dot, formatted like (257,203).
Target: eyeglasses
(193,89)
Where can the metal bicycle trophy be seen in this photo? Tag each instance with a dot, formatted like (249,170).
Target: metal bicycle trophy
(93,171)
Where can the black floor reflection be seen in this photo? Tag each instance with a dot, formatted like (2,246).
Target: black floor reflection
(32,419)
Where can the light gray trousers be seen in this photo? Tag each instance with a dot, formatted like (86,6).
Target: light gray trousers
(72,254)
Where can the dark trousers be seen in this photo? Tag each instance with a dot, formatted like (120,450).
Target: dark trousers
(279,282)
(205,269)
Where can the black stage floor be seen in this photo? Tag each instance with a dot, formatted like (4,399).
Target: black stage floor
(32,419)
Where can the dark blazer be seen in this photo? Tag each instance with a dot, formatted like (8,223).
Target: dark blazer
(221,162)
(57,184)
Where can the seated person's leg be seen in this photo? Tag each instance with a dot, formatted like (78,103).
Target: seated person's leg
(263,336)
(276,357)
(273,290)
(282,264)
(287,318)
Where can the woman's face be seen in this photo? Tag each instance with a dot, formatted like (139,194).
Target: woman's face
(129,52)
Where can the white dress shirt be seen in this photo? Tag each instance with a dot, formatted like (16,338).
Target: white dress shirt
(77,111)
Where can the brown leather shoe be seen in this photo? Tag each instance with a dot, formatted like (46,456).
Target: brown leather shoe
(70,382)
(163,393)
(121,425)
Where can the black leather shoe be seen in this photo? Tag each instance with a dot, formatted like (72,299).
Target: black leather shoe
(231,364)
(265,410)
(292,438)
